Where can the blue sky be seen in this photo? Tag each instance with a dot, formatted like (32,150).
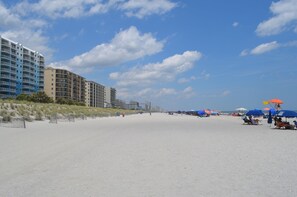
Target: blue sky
(177,54)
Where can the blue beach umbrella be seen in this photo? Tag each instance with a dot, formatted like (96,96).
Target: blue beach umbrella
(273,111)
(255,112)
(201,112)
(287,114)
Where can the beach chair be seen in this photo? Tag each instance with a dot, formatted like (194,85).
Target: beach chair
(246,121)
(295,124)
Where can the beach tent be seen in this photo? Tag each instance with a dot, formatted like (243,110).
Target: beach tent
(287,114)
(201,112)
(255,112)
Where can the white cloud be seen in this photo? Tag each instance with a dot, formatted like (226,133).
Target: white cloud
(32,39)
(263,48)
(166,92)
(153,94)
(28,32)
(285,18)
(127,45)
(245,52)
(186,80)
(235,24)
(205,75)
(142,8)
(266,47)
(167,70)
(188,92)
(62,9)
(78,8)
(226,93)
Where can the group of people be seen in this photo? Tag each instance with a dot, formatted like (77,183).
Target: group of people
(250,120)
(279,124)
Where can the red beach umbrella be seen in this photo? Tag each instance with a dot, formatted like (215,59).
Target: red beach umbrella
(276,101)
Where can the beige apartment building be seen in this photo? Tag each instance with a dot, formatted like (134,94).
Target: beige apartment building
(63,84)
(94,94)
(110,97)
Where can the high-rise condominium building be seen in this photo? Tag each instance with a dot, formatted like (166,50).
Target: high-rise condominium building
(94,94)
(63,84)
(21,69)
(109,97)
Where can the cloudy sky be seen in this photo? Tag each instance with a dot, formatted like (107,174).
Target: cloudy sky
(180,55)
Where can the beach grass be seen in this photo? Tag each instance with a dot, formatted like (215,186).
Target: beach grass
(39,111)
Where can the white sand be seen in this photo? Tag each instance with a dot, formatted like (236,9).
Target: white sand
(148,156)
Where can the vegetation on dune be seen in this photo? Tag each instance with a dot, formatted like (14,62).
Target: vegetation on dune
(39,111)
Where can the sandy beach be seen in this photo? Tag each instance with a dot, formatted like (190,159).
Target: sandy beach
(148,156)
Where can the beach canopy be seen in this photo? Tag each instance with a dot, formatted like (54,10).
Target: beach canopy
(255,112)
(287,114)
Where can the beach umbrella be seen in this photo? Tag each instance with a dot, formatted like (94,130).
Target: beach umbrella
(287,114)
(273,111)
(201,112)
(255,112)
(276,101)
(241,109)
(266,109)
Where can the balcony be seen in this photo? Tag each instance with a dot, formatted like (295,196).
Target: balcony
(6,50)
(29,87)
(5,76)
(26,58)
(28,71)
(27,81)
(7,57)
(26,66)
(28,75)
(5,63)
(13,65)
(5,83)
(8,90)
(5,70)
(5,43)
(25,52)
